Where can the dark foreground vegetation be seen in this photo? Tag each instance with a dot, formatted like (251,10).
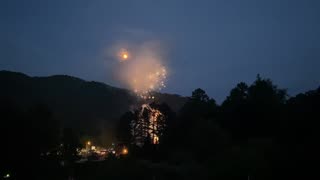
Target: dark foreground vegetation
(258,132)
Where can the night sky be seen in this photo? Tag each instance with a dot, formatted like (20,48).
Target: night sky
(211,44)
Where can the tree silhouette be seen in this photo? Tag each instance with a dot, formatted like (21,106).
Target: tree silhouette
(45,130)
(198,105)
(238,97)
(70,143)
(123,131)
(199,95)
(264,92)
(148,121)
(193,128)
(254,110)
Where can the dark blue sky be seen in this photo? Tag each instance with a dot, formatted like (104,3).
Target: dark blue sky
(212,44)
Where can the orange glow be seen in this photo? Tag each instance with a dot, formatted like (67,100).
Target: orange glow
(155,117)
(155,139)
(123,55)
(125,151)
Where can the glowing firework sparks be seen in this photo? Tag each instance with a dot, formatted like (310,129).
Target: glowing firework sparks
(152,126)
(144,73)
(153,81)
(123,55)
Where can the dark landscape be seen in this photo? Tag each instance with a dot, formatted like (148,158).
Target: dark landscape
(159,89)
(257,131)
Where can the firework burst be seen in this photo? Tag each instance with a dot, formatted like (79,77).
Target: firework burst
(142,71)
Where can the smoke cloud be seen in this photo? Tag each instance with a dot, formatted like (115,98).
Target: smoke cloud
(140,67)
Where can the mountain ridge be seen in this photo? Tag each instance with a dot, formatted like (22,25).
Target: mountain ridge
(87,106)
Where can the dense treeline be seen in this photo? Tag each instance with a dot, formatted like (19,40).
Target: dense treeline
(257,132)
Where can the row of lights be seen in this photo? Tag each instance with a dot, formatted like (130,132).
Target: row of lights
(124,150)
